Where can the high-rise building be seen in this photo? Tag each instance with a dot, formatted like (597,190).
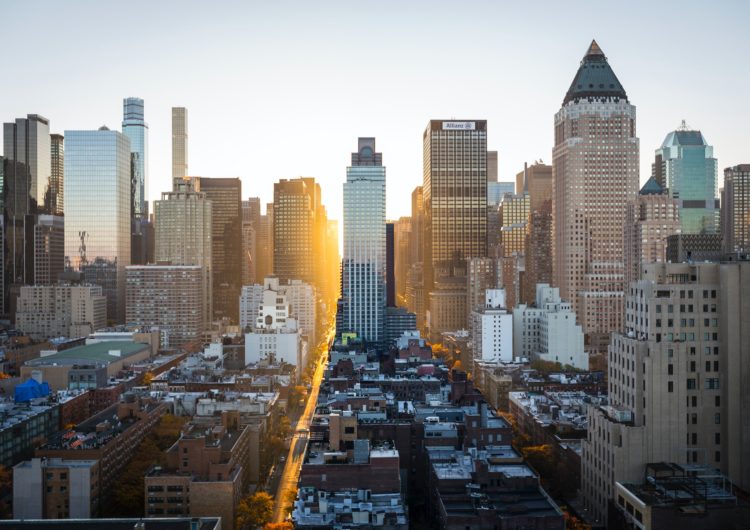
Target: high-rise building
(482,274)
(514,217)
(294,205)
(97,181)
(179,142)
(51,311)
(56,196)
(225,195)
(455,207)
(536,180)
(678,381)
(595,174)
(686,167)
(183,234)
(49,249)
(250,228)
(364,262)
(651,218)
(135,128)
(401,242)
(491,166)
(538,266)
(492,329)
(169,297)
(26,181)
(735,209)
(264,245)
(390,264)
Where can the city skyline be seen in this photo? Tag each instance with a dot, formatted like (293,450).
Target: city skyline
(508,67)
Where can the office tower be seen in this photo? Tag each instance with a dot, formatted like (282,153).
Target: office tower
(250,228)
(735,209)
(514,216)
(294,207)
(536,180)
(455,207)
(548,331)
(492,329)
(183,234)
(651,218)
(491,166)
(179,142)
(363,283)
(26,180)
(402,252)
(415,298)
(390,265)
(51,311)
(49,249)
(264,245)
(98,211)
(136,129)
(538,251)
(225,195)
(595,174)
(496,191)
(56,196)
(169,297)
(686,167)
(678,380)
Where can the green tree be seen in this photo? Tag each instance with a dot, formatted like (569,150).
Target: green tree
(254,510)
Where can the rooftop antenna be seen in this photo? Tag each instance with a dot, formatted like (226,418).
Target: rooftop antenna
(684,126)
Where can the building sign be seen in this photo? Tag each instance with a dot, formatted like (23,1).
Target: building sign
(459,125)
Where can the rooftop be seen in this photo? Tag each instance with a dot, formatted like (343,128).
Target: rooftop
(595,78)
(101,352)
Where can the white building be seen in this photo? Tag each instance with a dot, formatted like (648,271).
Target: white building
(549,331)
(492,329)
(298,295)
(276,336)
(47,311)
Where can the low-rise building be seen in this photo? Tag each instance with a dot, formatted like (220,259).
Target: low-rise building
(23,426)
(492,329)
(53,488)
(359,508)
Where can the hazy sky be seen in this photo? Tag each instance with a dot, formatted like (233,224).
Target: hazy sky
(279,89)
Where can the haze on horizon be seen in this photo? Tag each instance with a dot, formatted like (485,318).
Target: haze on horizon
(280,90)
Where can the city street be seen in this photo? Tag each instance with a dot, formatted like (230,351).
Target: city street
(293,464)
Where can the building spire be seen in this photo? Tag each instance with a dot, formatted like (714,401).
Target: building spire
(594,49)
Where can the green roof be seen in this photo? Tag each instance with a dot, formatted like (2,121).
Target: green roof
(90,353)
(595,79)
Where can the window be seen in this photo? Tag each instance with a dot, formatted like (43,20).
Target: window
(670,386)
(691,384)
(670,369)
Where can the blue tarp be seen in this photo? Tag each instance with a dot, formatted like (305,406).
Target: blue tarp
(31,389)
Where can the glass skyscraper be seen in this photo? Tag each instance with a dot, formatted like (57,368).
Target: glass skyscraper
(686,167)
(97,210)
(136,129)
(364,263)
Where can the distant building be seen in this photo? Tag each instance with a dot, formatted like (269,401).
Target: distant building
(492,329)
(686,167)
(735,209)
(49,249)
(397,321)
(179,142)
(54,488)
(548,331)
(300,296)
(251,297)
(49,311)
(694,248)
(169,297)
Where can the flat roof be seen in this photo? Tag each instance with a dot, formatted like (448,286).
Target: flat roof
(92,353)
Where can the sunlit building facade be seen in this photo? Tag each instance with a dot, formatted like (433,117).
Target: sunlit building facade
(179,142)
(364,261)
(97,211)
(595,174)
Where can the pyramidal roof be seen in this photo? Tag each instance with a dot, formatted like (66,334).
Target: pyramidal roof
(651,187)
(595,78)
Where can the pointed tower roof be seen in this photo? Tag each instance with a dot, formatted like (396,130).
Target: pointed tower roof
(595,78)
(651,187)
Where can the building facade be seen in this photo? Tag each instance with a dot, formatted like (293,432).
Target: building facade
(363,281)
(492,329)
(50,311)
(735,209)
(179,142)
(97,179)
(135,128)
(595,174)
(169,297)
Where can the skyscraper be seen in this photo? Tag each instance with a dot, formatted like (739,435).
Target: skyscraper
(491,166)
(595,174)
(651,218)
(136,129)
(183,234)
(294,207)
(735,209)
(364,262)
(56,202)
(26,181)
(390,264)
(536,180)
(98,211)
(250,228)
(225,195)
(401,241)
(686,167)
(455,206)
(179,142)
(49,249)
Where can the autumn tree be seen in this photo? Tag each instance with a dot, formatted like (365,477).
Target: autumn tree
(254,510)
(279,526)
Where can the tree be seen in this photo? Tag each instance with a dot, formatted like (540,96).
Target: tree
(254,510)
(278,526)
(147,378)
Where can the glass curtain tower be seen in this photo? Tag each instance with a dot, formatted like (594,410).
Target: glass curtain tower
(135,128)
(364,262)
